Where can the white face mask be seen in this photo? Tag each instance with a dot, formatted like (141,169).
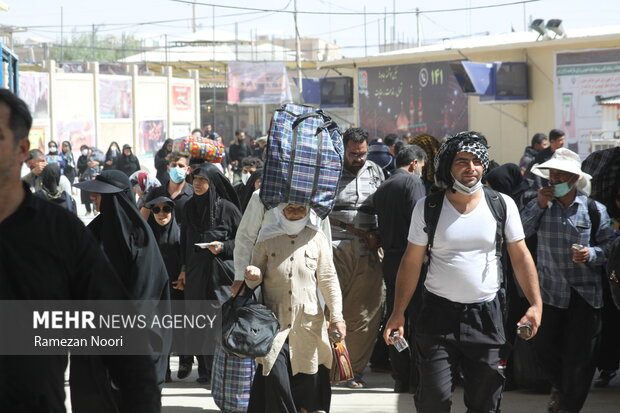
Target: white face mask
(292,227)
(244,177)
(53,149)
(85,152)
(465,190)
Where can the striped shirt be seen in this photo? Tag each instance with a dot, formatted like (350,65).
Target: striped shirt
(353,191)
(557,229)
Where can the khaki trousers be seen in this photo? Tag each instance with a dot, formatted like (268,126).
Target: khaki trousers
(361,282)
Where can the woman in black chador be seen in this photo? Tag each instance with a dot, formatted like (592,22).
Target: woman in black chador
(161,163)
(112,156)
(128,162)
(163,222)
(132,249)
(210,216)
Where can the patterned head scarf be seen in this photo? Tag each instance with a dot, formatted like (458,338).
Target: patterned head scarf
(430,145)
(468,141)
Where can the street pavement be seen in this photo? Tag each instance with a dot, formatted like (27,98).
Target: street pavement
(186,396)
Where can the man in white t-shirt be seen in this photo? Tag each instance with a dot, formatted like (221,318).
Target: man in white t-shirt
(460,322)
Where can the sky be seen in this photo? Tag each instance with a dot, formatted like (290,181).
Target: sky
(42,18)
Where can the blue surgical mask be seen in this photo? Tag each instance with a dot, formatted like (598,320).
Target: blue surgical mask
(177,175)
(561,189)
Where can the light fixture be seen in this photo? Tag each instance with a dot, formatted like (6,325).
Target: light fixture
(538,25)
(555,25)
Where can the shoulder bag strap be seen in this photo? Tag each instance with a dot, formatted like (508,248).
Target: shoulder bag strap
(595,219)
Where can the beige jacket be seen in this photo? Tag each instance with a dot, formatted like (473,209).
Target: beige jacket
(292,269)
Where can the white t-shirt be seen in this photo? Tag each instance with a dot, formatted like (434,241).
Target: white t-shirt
(463,263)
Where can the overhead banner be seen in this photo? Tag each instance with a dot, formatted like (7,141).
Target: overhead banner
(580,78)
(258,83)
(415,98)
(115,98)
(34,90)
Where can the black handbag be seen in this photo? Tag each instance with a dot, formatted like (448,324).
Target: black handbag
(248,327)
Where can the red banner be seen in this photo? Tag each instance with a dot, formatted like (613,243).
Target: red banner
(182,97)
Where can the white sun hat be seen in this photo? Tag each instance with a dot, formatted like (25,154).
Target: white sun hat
(564,159)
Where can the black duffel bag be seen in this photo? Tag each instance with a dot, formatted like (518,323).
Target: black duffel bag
(248,327)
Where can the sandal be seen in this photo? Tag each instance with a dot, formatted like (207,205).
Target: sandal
(604,378)
(357,383)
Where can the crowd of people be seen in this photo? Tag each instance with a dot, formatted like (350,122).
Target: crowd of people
(431,240)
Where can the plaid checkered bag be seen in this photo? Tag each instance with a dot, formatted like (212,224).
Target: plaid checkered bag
(304,159)
(231,381)
(200,148)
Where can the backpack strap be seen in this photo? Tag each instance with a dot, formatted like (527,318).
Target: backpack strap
(497,205)
(595,219)
(432,210)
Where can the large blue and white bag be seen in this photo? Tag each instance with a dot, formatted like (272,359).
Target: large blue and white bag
(304,159)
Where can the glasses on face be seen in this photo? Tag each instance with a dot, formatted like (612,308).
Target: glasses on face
(358,155)
(167,209)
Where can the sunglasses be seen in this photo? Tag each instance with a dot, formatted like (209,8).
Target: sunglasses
(167,209)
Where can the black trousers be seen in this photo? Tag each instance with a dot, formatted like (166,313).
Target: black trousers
(281,392)
(609,356)
(450,336)
(567,343)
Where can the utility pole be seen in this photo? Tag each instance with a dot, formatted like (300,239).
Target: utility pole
(384,26)
(194,17)
(365,39)
(213,69)
(166,48)
(236,42)
(62,37)
(394,21)
(92,45)
(417,26)
(379,34)
(298,52)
